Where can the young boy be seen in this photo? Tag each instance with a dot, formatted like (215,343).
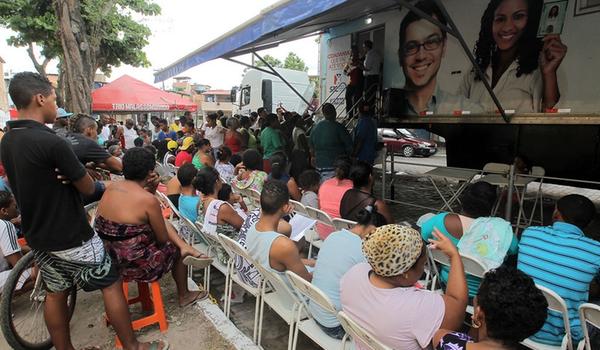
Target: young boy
(10,252)
(310,180)
(67,251)
(188,199)
(271,249)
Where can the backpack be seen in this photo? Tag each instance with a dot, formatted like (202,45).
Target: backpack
(488,240)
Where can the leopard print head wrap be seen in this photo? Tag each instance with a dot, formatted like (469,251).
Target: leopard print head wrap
(391,250)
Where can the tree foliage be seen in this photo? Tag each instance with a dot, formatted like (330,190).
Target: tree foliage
(292,61)
(107,33)
(272,61)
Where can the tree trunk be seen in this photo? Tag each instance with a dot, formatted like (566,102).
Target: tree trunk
(79,58)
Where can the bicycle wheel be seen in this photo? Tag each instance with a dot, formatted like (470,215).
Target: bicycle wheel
(22,309)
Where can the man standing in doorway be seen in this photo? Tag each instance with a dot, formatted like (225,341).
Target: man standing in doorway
(371,67)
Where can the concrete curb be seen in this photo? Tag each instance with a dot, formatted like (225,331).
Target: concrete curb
(225,327)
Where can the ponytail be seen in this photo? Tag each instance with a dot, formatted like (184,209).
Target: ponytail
(370,216)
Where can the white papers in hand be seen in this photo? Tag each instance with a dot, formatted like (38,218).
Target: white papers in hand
(299,225)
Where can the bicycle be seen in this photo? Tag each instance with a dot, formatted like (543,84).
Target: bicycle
(22,310)
(22,303)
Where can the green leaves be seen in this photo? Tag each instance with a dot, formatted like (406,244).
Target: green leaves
(112,27)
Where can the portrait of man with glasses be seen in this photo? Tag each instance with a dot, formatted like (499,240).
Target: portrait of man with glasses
(422,45)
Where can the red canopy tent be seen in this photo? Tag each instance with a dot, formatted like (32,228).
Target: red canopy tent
(128,94)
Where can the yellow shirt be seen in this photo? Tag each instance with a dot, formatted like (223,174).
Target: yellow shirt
(175,127)
(522,94)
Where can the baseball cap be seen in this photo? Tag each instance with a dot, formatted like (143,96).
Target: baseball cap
(172,145)
(62,113)
(392,250)
(187,143)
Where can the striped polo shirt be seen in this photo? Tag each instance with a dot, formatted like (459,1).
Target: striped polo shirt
(562,259)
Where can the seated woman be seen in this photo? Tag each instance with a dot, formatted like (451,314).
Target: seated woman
(332,191)
(217,216)
(249,174)
(473,222)
(361,195)
(340,252)
(381,295)
(507,309)
(279,171)
(130,221)
(203,157)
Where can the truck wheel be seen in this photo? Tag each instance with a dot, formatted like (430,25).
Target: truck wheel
(408,151)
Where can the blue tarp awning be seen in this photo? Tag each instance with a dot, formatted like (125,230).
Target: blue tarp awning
(271,20)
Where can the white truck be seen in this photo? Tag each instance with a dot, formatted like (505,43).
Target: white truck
(260,89)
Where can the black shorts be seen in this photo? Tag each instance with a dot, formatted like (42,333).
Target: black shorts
(59,275)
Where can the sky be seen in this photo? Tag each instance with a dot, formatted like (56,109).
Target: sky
(182,27)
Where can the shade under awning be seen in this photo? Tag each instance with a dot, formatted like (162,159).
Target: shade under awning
(285,21)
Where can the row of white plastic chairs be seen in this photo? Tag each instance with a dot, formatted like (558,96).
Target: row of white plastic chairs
(290,304)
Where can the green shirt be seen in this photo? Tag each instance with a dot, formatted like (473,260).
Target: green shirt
(271,141)
(329,139)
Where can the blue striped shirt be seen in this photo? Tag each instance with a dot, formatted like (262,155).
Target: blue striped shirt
(562,259)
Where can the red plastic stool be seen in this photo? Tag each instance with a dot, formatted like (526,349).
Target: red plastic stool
(149,303)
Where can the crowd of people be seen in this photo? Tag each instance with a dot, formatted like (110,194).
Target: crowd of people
(371,271)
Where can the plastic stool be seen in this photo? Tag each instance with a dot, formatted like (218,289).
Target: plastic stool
(148,303)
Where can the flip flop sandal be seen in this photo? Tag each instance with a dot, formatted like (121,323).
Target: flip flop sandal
(201,296)
(200,263)
(155,345)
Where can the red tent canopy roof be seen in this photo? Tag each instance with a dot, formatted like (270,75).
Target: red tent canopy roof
(127,94)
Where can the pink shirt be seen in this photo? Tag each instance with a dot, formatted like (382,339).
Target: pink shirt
(330,197)
(401,318)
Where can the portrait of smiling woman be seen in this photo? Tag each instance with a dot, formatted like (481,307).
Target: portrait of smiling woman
(520,67)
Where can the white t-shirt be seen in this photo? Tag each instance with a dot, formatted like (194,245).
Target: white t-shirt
(105,134)
(214,135)
(8,243)
(401,318)
(130,136)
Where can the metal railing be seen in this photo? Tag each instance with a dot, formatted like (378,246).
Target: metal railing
(539,181)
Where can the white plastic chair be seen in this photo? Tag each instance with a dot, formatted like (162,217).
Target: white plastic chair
(557,304)
(234,249)
(588,314)
(360,334)
(472,266)
(213,244)
(90,210)
(312,236)
(299,208)
(281,299)
(309,326)
(341,224)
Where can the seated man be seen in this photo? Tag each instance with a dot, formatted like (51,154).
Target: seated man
(562,258)
(246,271)
(274,251)
(188,199)
(10,252)
(84,141)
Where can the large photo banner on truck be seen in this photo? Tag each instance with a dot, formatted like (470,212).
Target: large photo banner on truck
(537,56)
(337,58)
